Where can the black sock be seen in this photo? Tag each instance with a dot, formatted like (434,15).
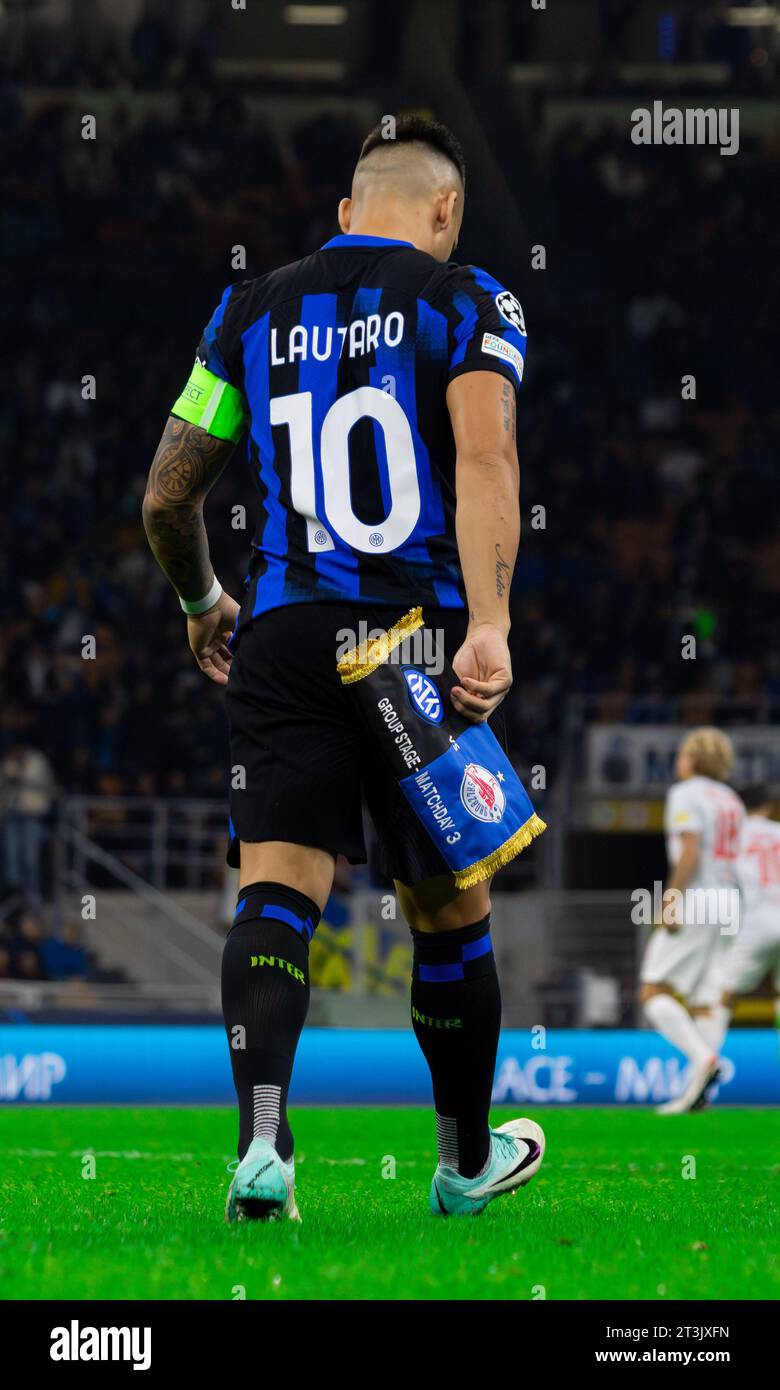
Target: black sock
(456,1016)
(265,999)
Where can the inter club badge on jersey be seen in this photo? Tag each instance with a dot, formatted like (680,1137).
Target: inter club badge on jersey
(455,775)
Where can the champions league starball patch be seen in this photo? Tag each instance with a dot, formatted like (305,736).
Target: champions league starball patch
(455,775)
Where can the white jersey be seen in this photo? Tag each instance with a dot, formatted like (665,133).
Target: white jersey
(715,813)
(758,867)
(757,947)
(690,959)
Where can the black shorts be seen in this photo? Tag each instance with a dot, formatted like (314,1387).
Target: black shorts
(308,761)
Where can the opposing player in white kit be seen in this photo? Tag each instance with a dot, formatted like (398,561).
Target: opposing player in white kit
(683,960)
(756,948)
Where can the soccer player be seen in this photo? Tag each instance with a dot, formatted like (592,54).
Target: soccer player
(756,950)
(376,383)
(702,819)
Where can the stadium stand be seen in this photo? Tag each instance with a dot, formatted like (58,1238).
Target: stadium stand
(93,243)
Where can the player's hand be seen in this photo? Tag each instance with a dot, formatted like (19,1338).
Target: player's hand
(208,634)
(484,670)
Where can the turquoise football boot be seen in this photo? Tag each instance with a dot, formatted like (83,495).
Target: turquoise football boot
(516,1153)
(263,1186)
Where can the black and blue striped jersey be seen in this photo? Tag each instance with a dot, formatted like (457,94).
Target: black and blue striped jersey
(342,361)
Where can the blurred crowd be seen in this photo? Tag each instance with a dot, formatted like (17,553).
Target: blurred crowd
(660,514)
(650,431)
(29,952)
(155,43)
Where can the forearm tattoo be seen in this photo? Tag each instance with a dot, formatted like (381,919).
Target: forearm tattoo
(509,406)
(187,464)
(503,573)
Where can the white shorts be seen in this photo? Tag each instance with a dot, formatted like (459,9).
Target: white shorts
(756,950)
(690,961)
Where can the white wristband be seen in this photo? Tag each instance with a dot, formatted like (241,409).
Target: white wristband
(202,604)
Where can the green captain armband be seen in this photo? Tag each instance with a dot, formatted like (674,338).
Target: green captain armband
(212,403)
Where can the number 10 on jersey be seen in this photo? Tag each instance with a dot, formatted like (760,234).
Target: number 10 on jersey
(295,411)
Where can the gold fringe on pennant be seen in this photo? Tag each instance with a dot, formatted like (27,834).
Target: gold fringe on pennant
(367,656)
(492,862)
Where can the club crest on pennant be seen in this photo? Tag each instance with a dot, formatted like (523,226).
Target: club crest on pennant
(482,794)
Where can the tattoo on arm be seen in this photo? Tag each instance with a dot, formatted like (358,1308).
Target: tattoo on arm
(509,407)
(503,573)
(186,466)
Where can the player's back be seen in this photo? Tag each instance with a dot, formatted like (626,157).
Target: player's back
(715,813)
(758,867)
(343,361)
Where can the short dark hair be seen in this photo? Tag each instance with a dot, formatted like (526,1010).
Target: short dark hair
(758,794)
(422,130)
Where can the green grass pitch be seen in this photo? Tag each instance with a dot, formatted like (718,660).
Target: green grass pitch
(615,1213)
